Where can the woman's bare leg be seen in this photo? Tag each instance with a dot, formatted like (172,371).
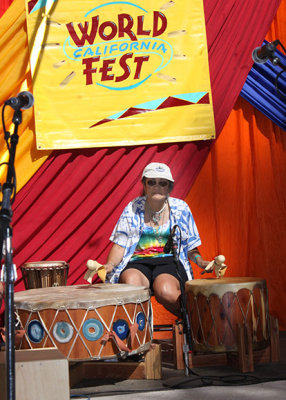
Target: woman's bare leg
(167,292)
(134,277)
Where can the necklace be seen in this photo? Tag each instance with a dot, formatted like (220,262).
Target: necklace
(157,215)
(155,221)
(157,229)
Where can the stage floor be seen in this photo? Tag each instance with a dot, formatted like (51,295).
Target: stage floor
(268,381)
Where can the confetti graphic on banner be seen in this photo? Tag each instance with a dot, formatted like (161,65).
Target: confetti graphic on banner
(34,5)
(173,101)
(102,62)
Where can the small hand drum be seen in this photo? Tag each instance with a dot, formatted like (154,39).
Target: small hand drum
(45,274)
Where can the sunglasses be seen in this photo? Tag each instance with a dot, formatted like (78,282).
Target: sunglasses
(152,182)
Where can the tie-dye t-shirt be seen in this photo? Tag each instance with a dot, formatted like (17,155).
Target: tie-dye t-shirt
(152,242)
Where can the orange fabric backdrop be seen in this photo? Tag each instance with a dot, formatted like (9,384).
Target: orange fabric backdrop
(243,214)
(239,204)
(239,198)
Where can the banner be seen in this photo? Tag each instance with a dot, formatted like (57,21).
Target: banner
(119,73)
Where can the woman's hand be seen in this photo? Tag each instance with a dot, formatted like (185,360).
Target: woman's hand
(195,257)
(108,267)
(201,263)
(114,257)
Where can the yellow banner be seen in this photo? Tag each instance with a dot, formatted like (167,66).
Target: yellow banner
(119,73)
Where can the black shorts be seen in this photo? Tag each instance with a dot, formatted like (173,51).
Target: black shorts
(154,266)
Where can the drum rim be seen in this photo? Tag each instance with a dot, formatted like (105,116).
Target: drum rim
(44,264)
(228,280)
(221,286)
(60,297)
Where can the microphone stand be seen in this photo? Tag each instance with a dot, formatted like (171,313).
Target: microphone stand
(8,273)
(187,347)
(276,61)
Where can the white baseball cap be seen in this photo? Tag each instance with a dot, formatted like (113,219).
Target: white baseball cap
(157,170)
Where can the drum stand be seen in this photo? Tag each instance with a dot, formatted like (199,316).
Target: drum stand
(8,273)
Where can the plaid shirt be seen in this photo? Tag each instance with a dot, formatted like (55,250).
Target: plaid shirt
(129,228)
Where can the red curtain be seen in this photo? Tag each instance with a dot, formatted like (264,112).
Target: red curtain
(4,5)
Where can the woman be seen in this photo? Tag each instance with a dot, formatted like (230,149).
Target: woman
(137,256)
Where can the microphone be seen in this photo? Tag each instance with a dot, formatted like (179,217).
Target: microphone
(169,244)
(23,100)
(261,55)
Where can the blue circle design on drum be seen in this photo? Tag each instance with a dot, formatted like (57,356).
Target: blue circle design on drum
(35,331)
(63,331)
(121,328)
(92,329)
(141,320)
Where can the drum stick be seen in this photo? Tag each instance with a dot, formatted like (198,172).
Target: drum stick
(217,265)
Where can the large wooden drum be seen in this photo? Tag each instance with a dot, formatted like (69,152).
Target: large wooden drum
(217,306)
(87,322)
(41,274)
